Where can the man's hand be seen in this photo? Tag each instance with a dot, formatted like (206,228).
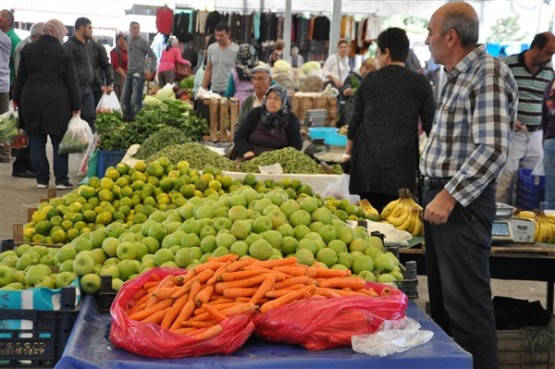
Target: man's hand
(149,76)
(439,209)
(520,127)
(109,89)
(348,92)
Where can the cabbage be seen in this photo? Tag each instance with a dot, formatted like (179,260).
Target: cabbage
(165,93)
(152,101)
(281,66)
(310,66)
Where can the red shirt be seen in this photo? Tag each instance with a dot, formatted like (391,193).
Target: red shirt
(164,20)
(115,59)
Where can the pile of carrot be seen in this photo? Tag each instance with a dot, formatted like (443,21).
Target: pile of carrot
(195,303)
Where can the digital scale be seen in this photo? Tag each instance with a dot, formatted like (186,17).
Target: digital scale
(507,229)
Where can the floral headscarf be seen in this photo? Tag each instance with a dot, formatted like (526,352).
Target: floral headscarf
(277,119)
(246,59)
(55,28)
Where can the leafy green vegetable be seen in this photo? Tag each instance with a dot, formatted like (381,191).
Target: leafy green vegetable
(187,82)
(9,126)
(197,155)
(165,137)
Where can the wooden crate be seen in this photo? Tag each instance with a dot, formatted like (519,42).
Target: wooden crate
(300,104)
(223,114)
(514,353)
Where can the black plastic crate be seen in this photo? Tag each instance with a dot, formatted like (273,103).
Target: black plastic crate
(42,345)
(106,295)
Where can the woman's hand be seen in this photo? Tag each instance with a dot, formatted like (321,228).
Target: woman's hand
(248,155)
(348,92)
(76,112)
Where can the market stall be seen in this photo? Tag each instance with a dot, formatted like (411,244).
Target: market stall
(88,348)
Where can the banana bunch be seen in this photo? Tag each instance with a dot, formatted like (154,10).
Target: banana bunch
(545,229)
(524,214)
(404,214)
(371,212)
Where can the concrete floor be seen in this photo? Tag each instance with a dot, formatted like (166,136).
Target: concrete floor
(19,194)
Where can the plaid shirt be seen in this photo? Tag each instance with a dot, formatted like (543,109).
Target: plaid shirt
(473,125)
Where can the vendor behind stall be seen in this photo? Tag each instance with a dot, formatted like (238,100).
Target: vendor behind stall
(269,127)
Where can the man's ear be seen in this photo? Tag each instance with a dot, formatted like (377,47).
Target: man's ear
(452,37)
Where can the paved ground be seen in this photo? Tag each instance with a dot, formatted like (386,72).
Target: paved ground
(19,194)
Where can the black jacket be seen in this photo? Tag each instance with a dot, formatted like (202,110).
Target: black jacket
(46,87)
(88,58)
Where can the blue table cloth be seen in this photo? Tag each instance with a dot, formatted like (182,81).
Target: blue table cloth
(88,347)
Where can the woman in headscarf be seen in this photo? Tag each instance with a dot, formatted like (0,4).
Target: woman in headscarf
(239,84)
(47,95)
(271,126)
(171,56)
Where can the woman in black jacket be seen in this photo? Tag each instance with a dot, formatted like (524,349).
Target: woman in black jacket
(47,94)
(269,127)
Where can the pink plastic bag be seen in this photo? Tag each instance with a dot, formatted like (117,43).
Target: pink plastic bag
(151,340)
(319,324)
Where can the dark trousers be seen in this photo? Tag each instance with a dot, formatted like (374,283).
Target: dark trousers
(88,108)
(22,161)
(37,143)
(378,200)
(457,264)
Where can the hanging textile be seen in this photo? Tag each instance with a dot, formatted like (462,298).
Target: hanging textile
(212,19)
(164,20)
(201,21)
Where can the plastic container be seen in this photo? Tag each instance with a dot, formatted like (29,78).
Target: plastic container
(41,339)
(107,159)
(321,132)
(529,190)
(335,139)
(106,294)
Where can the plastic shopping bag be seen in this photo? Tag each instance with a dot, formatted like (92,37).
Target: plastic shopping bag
(108,103)
(84,166)
(9,126)
(392,337)
(77,138)
(147,339)
(340,189)
(319,324)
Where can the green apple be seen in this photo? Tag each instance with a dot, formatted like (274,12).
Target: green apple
(46,282)
(384,262)
(184,257)
(83,264)
(26,260)
(6,275)
(111,261)
(82,244)
(116,284)
(147,264)
(110,245)
(66,266)
(111,270)
(367,276)
(35,273)
(127,251)
(261,224)
(7,253)
(90,283)
(127,268)
(13,286)
(163,255)
(47,260)
(10,260)
(19,276)
(361,263)
(66,252)
(64,279)
(40,249)
(23,248)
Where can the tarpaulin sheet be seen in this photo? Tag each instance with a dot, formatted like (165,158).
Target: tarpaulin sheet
(88,348)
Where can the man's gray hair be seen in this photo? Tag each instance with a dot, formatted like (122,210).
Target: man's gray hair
(37,29)
(467,27)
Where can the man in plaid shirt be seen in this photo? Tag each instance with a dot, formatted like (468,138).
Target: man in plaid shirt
(465,153)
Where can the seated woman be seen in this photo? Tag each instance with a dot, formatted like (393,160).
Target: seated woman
(269,127)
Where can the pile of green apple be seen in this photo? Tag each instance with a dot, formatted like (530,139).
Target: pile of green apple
(264,220)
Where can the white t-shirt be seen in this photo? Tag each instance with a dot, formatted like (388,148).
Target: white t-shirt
(337,66)
(223,60)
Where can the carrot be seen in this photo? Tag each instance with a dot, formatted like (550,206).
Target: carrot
(155,277)
(204,295)
(151,302)
(239,292)
(201,317)
(142,314)
(223,258)
(157,317)
(341,282)
(295,271)
(238,265)
(327,273)
(219,299)
(317,297)
(214,313)
(139,294)
(294,280)
(207,266)
(168,281)
(266,286)
(386,291)
(218,273)
(185,330)
(149,285)
(241,308)
(200,277)
(291,296)
(174,311)
(195,288)
(369,292)
(164,292)
(209,333)
(233,276)
(279,275)
(183,315)
(276,262)
(247,282)
(348,292)
(196,324)
(278,293)
(327,292)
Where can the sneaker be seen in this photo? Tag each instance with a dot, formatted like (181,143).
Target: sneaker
(64,186)
(42,186)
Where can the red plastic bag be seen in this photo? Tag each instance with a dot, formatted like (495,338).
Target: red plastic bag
(319,324)
(151,340)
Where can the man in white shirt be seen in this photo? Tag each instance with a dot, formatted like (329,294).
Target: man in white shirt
(221,57)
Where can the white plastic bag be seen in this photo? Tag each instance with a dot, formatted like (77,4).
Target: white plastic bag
(77,138)
(108,103)
(340,189)
(392,337)
(83,167)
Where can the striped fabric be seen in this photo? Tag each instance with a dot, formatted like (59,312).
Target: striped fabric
(474,120)
(530,88)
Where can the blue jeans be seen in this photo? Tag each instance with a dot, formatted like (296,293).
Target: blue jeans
(41,166)
(457,265)
(549,168)
(133,92)
(88,109)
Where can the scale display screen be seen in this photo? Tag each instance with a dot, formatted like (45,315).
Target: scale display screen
(501,229)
